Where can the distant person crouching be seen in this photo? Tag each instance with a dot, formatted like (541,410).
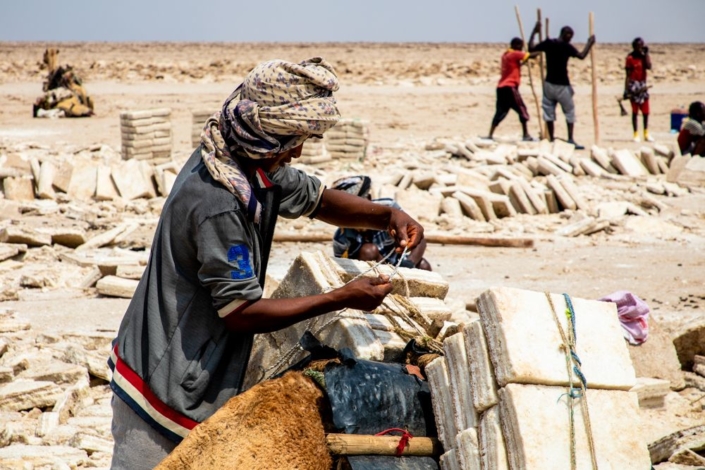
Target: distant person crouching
(372,245)
(691,138)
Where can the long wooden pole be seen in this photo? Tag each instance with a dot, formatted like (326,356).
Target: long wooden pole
(360,444)
(544,128)
(528,66)
(548,36)
(595,118)
(438,238)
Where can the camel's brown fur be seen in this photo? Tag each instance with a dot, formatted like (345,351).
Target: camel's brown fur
(274,425)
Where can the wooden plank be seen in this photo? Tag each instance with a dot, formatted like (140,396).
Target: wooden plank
(359,444)
(429,237)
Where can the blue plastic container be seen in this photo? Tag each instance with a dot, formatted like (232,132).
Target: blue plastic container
(677,116)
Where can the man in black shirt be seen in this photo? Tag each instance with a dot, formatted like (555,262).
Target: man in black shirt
(557,87)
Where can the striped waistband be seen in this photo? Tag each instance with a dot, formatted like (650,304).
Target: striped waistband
(136,393)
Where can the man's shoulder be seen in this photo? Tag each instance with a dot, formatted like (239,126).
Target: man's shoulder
(197,193)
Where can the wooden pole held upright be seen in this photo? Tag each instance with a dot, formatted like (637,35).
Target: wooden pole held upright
(544,129)
(595,119)
(547,35)
(531,81)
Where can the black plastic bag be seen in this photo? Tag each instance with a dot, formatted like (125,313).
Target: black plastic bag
(368,397)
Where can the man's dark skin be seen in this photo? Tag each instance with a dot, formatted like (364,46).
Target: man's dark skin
(699,115)
(641,49)
(517,46)
(565,36)
(340,209)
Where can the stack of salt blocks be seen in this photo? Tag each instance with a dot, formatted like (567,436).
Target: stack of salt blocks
(500,391)
(198,121)
(314,152)
(348,139)
(146,135)
(369,335)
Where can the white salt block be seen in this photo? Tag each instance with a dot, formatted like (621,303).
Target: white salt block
(525,344)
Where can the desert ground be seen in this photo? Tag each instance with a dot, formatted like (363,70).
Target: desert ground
(411,94)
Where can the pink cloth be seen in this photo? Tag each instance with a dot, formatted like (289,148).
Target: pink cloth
(633,315)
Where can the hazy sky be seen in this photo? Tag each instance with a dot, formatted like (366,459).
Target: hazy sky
(338,20)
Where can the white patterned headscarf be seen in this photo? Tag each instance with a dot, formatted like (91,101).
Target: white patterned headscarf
(276,108)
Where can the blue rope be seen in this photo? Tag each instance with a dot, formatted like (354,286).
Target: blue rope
(571,310)
(577,364)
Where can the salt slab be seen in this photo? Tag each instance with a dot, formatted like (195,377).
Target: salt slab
(493,452)
(536,429)
(525,343)
(482,382)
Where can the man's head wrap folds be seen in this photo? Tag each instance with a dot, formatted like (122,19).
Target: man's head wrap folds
(279,105)
(276,108)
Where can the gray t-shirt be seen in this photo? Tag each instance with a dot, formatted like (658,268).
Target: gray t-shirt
(205,262)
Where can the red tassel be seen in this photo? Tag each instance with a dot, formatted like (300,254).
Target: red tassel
(403,441)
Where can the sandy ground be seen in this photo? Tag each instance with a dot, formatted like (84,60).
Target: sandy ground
(410,94)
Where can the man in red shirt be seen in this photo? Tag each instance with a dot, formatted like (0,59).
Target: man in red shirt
(635,88)
(508,96)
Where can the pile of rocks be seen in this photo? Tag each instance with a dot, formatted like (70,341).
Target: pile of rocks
(506,379)
(91,174)
(54,399)
(146,135)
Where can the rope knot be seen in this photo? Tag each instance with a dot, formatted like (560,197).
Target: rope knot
(403,441)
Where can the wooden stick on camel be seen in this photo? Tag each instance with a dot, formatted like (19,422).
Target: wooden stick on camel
(531,81)
(595,119)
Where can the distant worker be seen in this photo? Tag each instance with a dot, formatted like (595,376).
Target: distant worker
(691,138)
(557,87)
(508,96)
(635,88)
(372,245)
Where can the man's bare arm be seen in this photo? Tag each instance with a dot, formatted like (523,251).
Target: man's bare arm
(267,315)
(534,32)
(582,54)
(345,210)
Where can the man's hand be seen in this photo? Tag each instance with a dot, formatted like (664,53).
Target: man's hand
(591,40)
(537,28)
(406,231)
(365,293)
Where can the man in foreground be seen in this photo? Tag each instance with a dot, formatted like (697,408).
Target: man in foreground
(557,88)
(184,344)
(508,96)
(635,88)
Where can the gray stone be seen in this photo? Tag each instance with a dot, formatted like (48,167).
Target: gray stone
(26,394)
(39,456)
(18,189)
(493,452)
(482,382)
(459,375)
(468,449)
(113,286)
(439,383)
(657,357)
